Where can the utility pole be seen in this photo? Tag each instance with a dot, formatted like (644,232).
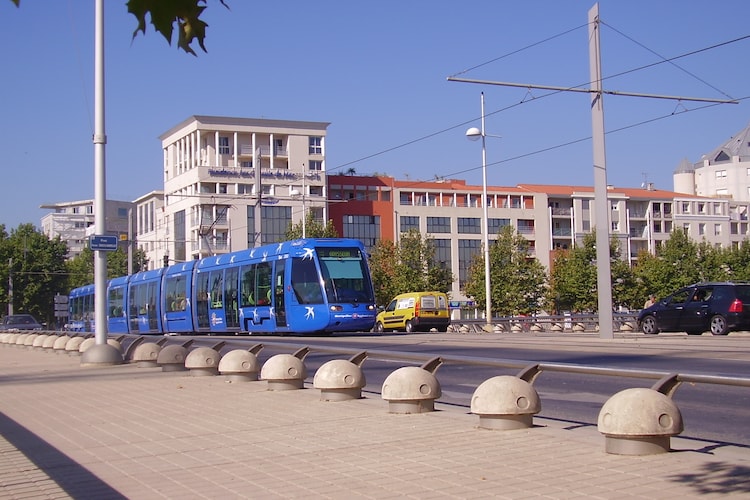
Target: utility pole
(10,286)
(601,208)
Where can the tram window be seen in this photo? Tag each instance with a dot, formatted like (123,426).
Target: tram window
(247,295)
(217,289)
(175,289)
(116,301)
(264,281)
(305,282)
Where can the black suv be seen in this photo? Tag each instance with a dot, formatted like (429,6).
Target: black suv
(715,307)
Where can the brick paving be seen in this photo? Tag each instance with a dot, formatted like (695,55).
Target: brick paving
(124,431)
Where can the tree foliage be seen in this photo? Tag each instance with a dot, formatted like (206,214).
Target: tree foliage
(164,14)
(517,281)
(408,266)
(35,265)
(81,267)
(573,280)
(313,229)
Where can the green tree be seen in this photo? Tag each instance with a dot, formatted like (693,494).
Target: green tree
(313,229)
(81,267)
(408,266)
(676,264)
(517,281)
(573,280)
(164,14)
(35,268)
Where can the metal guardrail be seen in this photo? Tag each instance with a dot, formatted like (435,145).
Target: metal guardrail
(521,365)
(552,323)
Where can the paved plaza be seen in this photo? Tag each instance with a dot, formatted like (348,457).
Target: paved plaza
(125,431)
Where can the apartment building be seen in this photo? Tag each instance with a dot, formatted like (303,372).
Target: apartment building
(550,217)
(151,233)
(235,183)
(73,222)
(722,173)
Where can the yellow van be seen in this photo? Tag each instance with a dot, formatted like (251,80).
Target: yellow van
(415,311)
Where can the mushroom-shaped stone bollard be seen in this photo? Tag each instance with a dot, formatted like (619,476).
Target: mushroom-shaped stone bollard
(49,342)
(21,339)
(28,342)
(172,357)
(413,389)
(72,347)
(639,421)
(39,341)
(202,361)
(505,403)
(241,365)
(340,379)
(146,354)
(285,372)
(60,343)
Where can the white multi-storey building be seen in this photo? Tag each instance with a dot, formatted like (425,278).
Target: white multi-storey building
(73,222)
(151,234)
(235,183)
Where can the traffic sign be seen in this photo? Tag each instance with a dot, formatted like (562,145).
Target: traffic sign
(104,243)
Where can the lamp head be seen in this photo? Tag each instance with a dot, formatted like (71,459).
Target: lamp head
(473,134)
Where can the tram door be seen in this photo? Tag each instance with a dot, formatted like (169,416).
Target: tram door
(278,294)
(201,301)
(231,311)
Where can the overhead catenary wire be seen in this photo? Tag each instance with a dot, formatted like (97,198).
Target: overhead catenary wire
(554,92)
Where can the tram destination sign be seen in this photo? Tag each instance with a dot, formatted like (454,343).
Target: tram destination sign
(105,243)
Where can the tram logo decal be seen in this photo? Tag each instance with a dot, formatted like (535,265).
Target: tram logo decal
(310,314)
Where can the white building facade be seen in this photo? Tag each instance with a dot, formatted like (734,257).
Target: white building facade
(236,183)
(73,222)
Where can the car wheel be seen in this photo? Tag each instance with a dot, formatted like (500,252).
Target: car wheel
(648,326)
(718,325)
(379,327)
(409,327)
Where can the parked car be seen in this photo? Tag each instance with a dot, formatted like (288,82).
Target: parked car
(716,307)
(415,311)
(20,322)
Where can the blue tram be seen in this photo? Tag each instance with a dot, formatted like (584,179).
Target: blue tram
(318,285)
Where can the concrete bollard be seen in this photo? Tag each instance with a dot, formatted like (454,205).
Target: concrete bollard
(59,345)
(72,347)
(413,389)
(641,421)
(204,361)
(285,372)
(172,357)
(146,354)
(49,342)
(241,365)
(341,380)
(505,403)
(39,341)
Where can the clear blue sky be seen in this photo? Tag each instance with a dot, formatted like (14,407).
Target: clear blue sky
(377,71)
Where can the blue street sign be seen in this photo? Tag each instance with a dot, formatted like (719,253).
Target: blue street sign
(103,243)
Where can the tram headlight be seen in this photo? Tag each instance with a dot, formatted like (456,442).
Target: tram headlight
(337,308)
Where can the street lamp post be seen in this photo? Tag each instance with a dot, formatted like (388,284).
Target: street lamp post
(473,134)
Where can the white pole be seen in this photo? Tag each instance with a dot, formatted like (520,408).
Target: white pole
(100,139)
(487,287)
(304,211)
(601,203)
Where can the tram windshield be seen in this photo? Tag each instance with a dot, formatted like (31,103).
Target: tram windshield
(345,275)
